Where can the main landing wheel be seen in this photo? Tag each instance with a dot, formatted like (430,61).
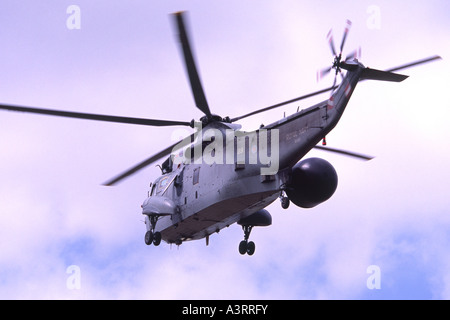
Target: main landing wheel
(285,202)
(157,239)
(151,237)
(148,238)
(246,247)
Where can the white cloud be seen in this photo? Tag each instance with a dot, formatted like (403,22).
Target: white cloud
(389,212)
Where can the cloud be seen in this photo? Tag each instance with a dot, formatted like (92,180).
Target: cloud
(390,212)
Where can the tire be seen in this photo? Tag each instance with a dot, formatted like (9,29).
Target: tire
(148,238)
(251,248)
(285,202)
(243,247)
(157,238)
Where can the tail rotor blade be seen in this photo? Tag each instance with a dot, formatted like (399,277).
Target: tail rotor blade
(322,73)
(356,54)
(344,37)
(331,42)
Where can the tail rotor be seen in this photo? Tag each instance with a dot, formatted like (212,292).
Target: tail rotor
(337,63)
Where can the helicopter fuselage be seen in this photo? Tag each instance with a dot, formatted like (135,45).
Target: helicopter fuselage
(203,197)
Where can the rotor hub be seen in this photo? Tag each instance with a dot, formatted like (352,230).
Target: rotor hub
(213,118)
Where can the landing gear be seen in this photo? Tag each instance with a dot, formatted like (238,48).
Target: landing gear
(154,238)
(284,199)
(284,202)
(151,236)
(148,238)
(246,247)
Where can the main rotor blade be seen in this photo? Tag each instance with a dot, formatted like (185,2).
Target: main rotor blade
(415,63)
(283,103)
(169,149)
(412,64)
(97,117)
(194,78)
(150,160)
(345,152)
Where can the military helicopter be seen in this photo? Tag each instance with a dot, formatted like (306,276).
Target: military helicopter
(221,175)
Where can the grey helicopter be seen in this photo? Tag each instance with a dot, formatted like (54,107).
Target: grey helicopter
(221,175)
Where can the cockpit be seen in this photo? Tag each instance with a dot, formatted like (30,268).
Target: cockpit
(167,165)
(160,185)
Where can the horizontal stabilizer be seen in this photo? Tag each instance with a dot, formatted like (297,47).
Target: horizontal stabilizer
(373,74)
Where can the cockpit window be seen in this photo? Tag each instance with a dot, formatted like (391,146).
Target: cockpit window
(152,193)
(159,185)
(167,165)
(163,183)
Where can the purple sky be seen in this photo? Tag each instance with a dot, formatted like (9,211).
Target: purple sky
(391,212)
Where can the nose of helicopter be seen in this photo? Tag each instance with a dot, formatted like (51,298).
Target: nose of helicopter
(156,205)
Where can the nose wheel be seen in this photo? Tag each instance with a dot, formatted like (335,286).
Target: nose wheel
(151,236)
(245,246)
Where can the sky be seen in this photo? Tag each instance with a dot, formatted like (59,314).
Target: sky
(383,235)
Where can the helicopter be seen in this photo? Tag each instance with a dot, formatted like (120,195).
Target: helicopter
(221,175)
